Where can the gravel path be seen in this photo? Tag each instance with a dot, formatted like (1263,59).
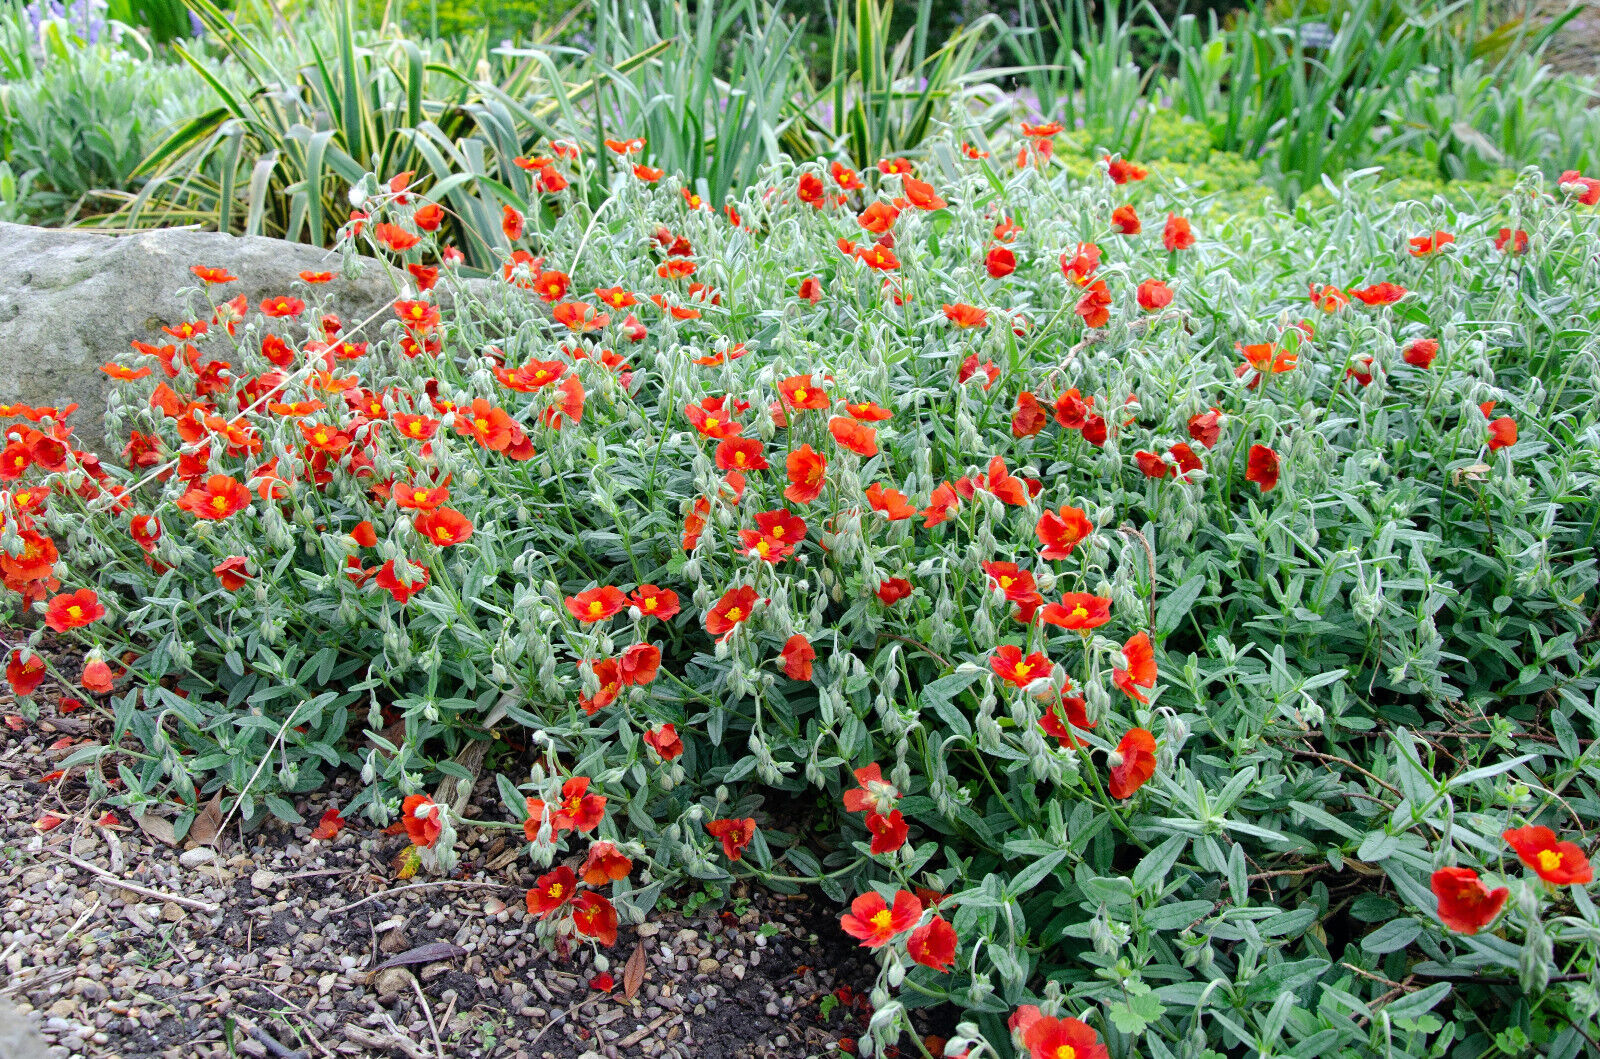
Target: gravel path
(276,943)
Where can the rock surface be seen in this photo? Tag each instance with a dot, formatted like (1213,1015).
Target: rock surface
(70,299)
(17,1039)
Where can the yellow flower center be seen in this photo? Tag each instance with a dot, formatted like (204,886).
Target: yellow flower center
(75,612)
(1066,1051)
(1549,859)
(880,920)
(1080,612)
(481,423)
(712,421)
(1005,582)
(764,546)
(799,395)
(596,607)
(219,502)
(650,603)
(1023,669)
(322,437)
(777,532)
(556,890)
(735,613)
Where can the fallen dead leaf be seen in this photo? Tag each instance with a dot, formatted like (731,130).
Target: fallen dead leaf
(158,828)
(432,951)
(633,972)
(207,822)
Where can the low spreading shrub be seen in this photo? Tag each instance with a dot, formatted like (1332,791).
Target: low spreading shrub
(1167,626)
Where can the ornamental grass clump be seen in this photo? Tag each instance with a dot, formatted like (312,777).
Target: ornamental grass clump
(1162,630)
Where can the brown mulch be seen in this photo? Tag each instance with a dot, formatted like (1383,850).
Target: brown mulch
(280,959)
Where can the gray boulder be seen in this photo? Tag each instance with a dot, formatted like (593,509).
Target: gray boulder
(71,299)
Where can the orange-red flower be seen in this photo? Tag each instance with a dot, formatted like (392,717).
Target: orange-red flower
(1010,666)
(735,835)
(1517,241)
(219,497)
(1122,171)
(963,315)
(1177,235)
(1137,754)
(605,863)
(879,258)
(283,306)
(1466,905)
(1379,294)
(1061,531)
(1420,353)
(595,917)
(807,470)
(1423,245)
(891,502)
(24,673)
(1078,611)
(1125,220)
(857,437)
(741,454)
(596,604)
(654,602)
(1502,433)
(1048,1037)
(1152,294)
(1094,305)
(1000,262)
(874,923)
(892,590)
(445,527)
(800,393)
(1558,863)
(578,810)
(888,831)
(711,418)
(423,820)
(1139,656)
(735,607)
(233,572)
(1262,468)
(933,944)
(639,664)
(74,610)
(921,194)
(388,578)
(797,657)
(552,892)
(665,742)
(1206,427)
(208,274)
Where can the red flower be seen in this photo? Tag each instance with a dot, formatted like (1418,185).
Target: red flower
(578,810)
(219,498)
(609,676)
(810,290)
(1141,672)
(423,820)
(879,258)
(857,437)
(735,835)
(1177,235)
(798,655)
(596,604)
(654,602)
(24,675)
(1077,711)
(665,742)
(1137,754)
(1206,427)
(1557,863)
(1518,241)
(1061,531)
(552,286)
(872,922)
(1420,353)
(74,610)
(933,944)
(1262,468)
(1379,294)
(1078,612)
(888,832)
(963,315)
(1502,433)
(595,917)
(1047,1037)
(1423,245)
(1125,221)
(212,275)
(1153,294)
(511,222)
(1010,666)
(283,306)
(734,607)
(712,419)
(1094,306)
(552,892)
(445,527)
(808,470)
(921,194)
(1122,171)
(872,793)
(892,590)
(605,864)
(1029,417)
(388,579)
(1000,262)
(741,454)
(96,674)
(639,664)
(233,572)
(1466,905)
